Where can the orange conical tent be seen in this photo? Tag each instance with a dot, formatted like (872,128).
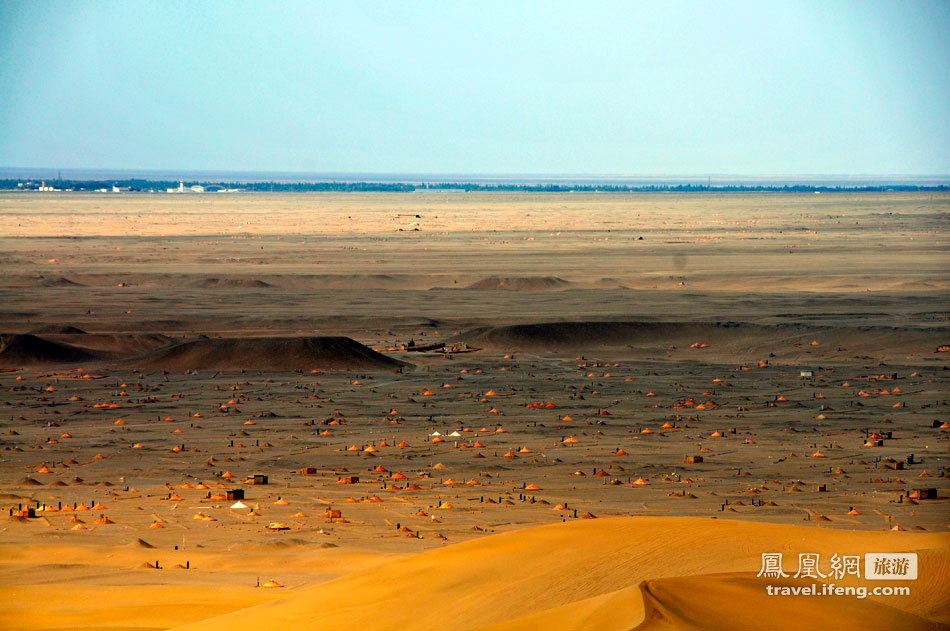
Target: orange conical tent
(640,482)
(532,487)
(271,584)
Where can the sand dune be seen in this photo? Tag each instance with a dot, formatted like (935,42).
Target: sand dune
(267,353)
(58,329)
(45,281)
(521,283)
(232,282)
(112,345)
(23,349)
(737,336)
(524,580)
(726,602)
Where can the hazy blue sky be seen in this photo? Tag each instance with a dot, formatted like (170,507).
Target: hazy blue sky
(671,88)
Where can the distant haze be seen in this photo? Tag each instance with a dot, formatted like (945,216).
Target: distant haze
(632,92)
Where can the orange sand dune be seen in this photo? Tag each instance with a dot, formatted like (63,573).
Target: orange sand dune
(581,576)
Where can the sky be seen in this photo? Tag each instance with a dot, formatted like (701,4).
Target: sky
(597,88)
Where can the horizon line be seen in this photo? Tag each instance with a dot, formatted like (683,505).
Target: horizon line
(16,172)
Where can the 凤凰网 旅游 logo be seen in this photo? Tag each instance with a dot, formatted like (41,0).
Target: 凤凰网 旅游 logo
(878,566)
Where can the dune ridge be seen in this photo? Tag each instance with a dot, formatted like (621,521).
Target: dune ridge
(510,580)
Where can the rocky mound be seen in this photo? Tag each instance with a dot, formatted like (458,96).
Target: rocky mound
(728,337)
(58,329)
(574,334)
(521,283)
(266,353)
(29,350)
(232,282)
(45,281)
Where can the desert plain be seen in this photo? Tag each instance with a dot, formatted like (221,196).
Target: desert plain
(473,411)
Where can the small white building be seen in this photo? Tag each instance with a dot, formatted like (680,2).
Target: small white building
(807,374)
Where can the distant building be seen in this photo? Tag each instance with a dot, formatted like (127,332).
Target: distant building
(46,189)
(121,189)
(197,188)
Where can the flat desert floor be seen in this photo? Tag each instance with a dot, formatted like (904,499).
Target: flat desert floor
(472,410)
